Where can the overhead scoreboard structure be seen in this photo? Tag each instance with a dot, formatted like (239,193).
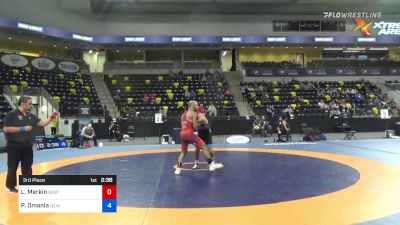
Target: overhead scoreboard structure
(68,194)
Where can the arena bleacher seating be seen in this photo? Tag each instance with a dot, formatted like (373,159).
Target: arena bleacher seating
(334,99)
(147,94)
(69,89)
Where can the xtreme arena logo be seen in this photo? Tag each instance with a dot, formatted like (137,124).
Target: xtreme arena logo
(381,27)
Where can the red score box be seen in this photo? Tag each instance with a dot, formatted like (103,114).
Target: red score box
(109,192)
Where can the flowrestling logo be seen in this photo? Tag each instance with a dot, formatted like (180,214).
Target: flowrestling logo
(349,15)
(380,28)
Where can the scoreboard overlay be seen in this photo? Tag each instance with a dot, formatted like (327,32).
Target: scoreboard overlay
(67,193)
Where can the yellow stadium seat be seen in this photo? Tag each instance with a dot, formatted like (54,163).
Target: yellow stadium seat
(160,78)
(253,94)
(375,111)
(170,96)
(113,82)
(341,83)
(226,102)
(45,82)
(24,83)
(293,106)
(73,91)
(180,104)
(129,100)
(158,100)
(328,97)
(176,84)
(297,86)
(80,81)
(372,96)
(219,84)
(168,91)
(258,102)
(15,71)
(276,98)
(14,88)
(61,76)
(189,78)
(28,69)
(128,88)
(72,83)
(276,90)
(306,101)
(126,78)
(86,100)
(87,88)
(165,108)
(147,82)
(201,91)
(275,83)
(110,75)
(349,106)
(359,86)
(185,88)
(79,75)
(57,98)
(293,93)
(339,88)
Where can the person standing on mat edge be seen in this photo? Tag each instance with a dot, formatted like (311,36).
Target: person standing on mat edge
(204,132)
(189,122)
(19,126)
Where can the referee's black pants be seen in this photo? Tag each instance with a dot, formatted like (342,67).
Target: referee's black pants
(15,154)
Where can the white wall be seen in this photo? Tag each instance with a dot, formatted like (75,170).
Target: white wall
(226,60)
(95,61)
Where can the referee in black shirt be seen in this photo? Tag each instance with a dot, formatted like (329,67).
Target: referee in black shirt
(19,127)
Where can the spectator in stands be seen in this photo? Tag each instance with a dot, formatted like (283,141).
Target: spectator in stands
(358,99)
(187,94)
(193,94)
(270,111)
(201,109)
(87,133)
(288,112)
(115,130)
(283,128)
(117,95)
(152,97)
(257,126)
(334,113)
(171,75)
(146,98)
(228,92)
(163,113)
(131,114)
(243,91)
(267,128)
(212,111)
(322,104)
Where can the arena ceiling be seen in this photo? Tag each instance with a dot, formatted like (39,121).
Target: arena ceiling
(262,7)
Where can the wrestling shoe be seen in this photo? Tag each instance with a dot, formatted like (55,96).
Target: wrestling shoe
(214,166)
(12,190)
(178,170)
(195,167)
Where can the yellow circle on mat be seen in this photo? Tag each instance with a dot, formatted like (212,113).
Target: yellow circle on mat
(376,194)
